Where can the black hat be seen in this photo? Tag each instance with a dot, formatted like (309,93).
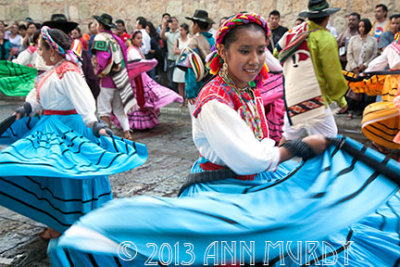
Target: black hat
(59,21)
(106,20)
(318,9)
(201,15)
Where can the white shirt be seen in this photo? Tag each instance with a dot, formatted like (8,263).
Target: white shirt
(26,58)
(146,42)
(273,64)
(66,93)
(224,138)
(389,56)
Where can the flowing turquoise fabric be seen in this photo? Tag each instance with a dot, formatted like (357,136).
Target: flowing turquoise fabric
(347,208)
(55,170)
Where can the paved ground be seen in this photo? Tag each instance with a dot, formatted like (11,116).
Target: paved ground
(171,154)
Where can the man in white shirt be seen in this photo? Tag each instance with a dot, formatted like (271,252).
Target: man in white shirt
(141,26)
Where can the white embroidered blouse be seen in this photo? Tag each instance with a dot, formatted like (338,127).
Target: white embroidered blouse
(63,88)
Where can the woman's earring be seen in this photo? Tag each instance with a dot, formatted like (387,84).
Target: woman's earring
(52,59)
(225,66)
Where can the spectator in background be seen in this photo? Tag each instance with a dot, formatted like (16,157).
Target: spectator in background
(163,64)
(121,30)
(171,37)
(15,40)
(388,37)
(277,31)
(164,18)
(332,29)
(298,21)
(344,38)
(27,21)
(76,34)
(155,51)
(22,30)
(141,26)
(180,44)
(5,47)
(93,31)
(362,49)
(381,24)
(29,34)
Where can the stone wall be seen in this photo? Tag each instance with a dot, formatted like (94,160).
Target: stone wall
(82,11)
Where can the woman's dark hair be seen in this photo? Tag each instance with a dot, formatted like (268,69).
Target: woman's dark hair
(185,27)
(202,25)
(79,31)
(35,37)
(232,36)
(318,20)
(21,27)
(367,25)
(153,32)
(60,38)
(142,21)
(135,33)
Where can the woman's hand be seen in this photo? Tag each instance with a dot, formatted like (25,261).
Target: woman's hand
(318,143)
(103,132)
(100,128)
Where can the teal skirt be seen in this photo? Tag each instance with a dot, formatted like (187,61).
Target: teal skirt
(55,170)
(332,209)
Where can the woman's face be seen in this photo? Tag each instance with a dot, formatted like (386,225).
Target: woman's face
(138,40)
(182,32)
(45,53)
(14,29)
(75,34)
(361,28)
(245,57)
(148,29)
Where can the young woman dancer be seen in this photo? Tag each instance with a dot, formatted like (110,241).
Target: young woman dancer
(56,166)
(241,195)
(150,95)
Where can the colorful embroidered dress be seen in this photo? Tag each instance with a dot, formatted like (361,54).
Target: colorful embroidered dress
(55,169)
(155,97)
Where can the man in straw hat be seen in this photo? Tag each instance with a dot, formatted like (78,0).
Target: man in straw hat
(201,43)
(313,74)
(116,94)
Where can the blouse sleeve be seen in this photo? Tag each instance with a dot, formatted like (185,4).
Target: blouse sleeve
(234,142)
(32,99)
(379,63)
(78,92)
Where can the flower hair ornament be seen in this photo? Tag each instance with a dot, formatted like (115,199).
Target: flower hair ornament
(214,60)
(68,55)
